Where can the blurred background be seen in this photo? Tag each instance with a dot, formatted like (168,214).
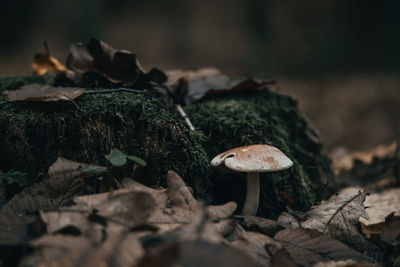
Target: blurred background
(340,59)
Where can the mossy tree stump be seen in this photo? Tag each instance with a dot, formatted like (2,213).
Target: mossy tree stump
(264,117)
(33,135)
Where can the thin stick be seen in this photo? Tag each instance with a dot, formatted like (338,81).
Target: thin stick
(184,116)
(46,47)
(116,90)
(178,107)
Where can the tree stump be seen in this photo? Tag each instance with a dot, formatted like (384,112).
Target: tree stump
(265,117)
(33,135)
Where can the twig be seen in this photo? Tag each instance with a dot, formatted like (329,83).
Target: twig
(184,116)
(178,107)
(46,47)
(116,90)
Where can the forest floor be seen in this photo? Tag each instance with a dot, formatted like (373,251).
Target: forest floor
(81,214)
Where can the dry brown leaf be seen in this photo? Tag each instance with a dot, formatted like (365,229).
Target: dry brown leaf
(379,152)
(122,249)
(61,185)
(337,216)
(258,224)
(105,221)
(56,251)
(191,86)
(115,215)
(43,63)
(72,168)
(379,206)
(346,263)
(119,66)
(44,93)
(390,233)
(175,205)
(258,246)
(201,227)
(195,253)
(308,247)
(374,169)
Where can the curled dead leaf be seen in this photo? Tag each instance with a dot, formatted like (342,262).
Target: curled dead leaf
(119,66)
(43,63)
(191,86)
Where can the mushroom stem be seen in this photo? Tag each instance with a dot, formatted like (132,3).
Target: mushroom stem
(252,197)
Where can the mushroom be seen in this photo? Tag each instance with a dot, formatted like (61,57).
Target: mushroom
(252,160)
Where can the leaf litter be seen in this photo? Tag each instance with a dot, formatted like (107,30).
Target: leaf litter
(142,226)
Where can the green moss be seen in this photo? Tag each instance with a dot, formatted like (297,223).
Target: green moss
(33,135)
(264,117)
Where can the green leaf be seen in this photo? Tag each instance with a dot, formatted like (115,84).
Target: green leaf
(94,171)
(14,177)
(137,160)
(116,158)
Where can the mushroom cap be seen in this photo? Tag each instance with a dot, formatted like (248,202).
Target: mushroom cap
(255,158)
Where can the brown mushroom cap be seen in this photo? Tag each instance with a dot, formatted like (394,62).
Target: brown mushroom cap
(255,158)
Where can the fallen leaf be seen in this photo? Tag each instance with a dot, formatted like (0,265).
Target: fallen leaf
(129,209)
(343,159)
(59,250)
(308,247)
(202,227)
(119,66)
(106,220)
(56,250)
(258,224)
(20,215)
(346,263)
(195,253)
(207,81)
(43,63)
(175,206)
(379,152)
(258,246)
(43,93)
(72,168)
(379,206)
(338,216)
(374,169)
(390,233)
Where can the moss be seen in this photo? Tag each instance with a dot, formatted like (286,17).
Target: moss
(264,117)
(33,135)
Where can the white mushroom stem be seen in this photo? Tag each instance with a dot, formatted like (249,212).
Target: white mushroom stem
(253,193)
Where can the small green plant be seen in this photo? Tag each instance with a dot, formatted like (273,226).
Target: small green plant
(118,158)
(14,177)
